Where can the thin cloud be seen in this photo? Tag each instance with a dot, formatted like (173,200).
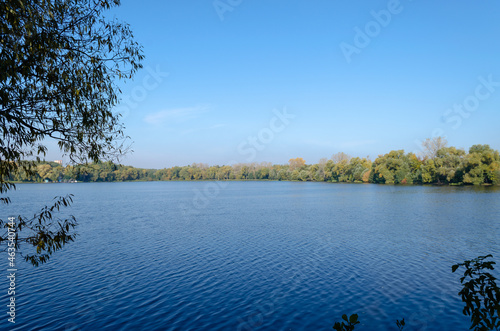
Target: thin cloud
(174,115)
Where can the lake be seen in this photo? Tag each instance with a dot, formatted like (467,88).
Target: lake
(254,256)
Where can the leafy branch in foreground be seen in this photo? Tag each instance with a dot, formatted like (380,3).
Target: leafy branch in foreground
(400,324)
(45,233)
(60,64)
(353,320)
(480,293)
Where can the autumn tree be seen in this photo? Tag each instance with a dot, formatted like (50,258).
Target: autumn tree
(59,66)
(296,163)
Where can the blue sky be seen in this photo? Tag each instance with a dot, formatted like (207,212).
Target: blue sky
(360,77)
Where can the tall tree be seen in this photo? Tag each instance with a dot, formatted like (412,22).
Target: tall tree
(340,157)
(59,66)
(432,145)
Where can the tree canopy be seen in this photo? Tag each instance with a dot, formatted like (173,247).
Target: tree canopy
(60,62)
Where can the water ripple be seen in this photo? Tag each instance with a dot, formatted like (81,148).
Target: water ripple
(261,256)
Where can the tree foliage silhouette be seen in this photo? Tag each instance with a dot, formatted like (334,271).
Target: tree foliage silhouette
(60,63)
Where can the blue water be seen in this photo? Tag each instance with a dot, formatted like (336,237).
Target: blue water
(254,256)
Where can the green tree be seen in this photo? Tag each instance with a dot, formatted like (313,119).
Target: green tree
(341,170)
(482,165)
(56,173)
(358,168)
(428,172)
(303,175)
(449,165)
(396,167)
(43,170)
(70,173)
(59,66)
(185,174)
(385,168)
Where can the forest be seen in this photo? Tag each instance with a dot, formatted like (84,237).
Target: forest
(441,166)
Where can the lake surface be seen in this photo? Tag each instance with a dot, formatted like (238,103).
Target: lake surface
(254,256)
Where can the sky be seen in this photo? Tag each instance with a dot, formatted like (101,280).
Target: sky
(230,81)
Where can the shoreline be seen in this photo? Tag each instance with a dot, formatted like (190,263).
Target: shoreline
(261,180)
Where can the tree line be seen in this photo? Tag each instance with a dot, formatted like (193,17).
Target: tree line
(444,165)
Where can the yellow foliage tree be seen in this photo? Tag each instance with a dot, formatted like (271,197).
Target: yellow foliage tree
(296,163)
